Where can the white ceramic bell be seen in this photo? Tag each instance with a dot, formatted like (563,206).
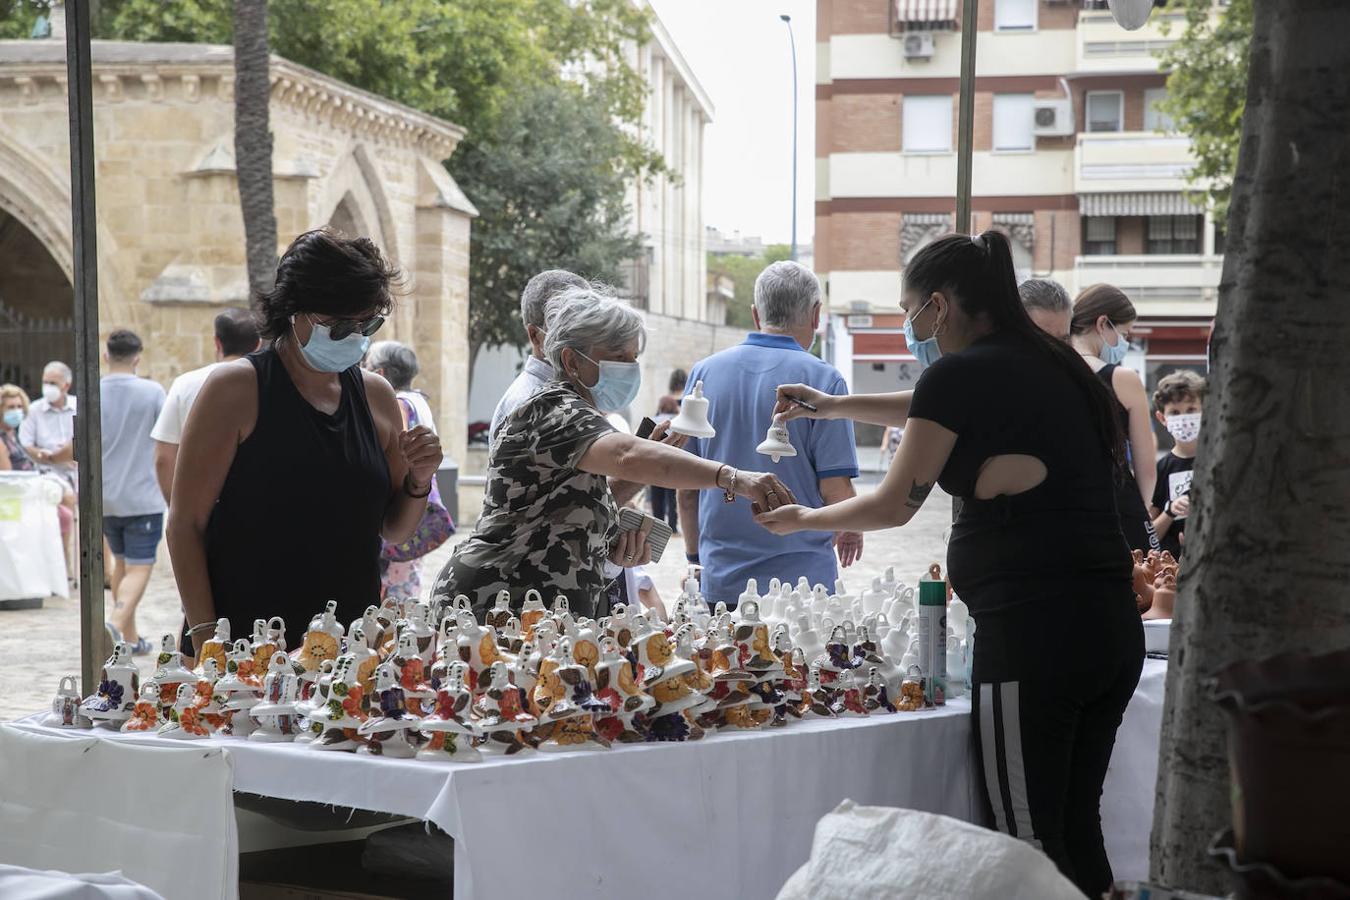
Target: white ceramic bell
(958,614)
(275,712)
(146,715)
(956,667)
(693,417)
(889,581)
(751,592)
(873,598)
(118,685)
(808,640)
(776,443)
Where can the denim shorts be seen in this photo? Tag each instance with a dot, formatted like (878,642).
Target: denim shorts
(134,537)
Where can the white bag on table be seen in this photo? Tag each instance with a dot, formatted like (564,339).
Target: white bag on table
(32,558)
(883,853)
(31,884)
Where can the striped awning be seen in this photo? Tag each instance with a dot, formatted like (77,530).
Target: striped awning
(926,13)
(1137,204)
(1007,218)
(943,219)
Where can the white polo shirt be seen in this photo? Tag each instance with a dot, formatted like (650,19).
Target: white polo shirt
(182,394)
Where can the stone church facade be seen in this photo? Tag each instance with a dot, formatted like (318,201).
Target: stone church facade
(170,232)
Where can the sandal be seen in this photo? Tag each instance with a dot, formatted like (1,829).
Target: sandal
(141,647)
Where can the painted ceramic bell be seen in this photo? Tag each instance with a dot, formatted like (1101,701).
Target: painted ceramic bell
(876,698)
(145,716)
(478,647)
(269,640)
(392,728)
(341,713)
(751,637)
(816,699)
(777,444)
(188,721)
(575,712)
(616,684)
(621,625)
(169,668)
(239,673)
(693,417)
(275,712)
(214,646)
(500,713)
(911,691)
(424,636)
(313,691)
(366,658)
(656,658)
(839,655)
(66,706)
(410,672)
(119,683)
(322,640)
(450,728)
(500,611)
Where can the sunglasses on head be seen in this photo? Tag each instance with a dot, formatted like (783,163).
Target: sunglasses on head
(341,328)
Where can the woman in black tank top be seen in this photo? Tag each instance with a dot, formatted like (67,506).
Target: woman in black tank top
(1011,421)
(293,462)
(1102,318)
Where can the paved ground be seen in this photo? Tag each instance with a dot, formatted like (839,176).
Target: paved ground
(37,647)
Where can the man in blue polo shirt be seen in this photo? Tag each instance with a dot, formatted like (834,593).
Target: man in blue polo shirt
(740,384)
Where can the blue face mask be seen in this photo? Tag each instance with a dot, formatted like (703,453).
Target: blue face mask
(1114,354)
(926,351)
(617,385)
(327,355)
(13,417)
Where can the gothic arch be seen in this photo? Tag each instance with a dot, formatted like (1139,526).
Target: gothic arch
(354,194)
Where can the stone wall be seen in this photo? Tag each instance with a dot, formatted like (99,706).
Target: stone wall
(676,343)
(171,248)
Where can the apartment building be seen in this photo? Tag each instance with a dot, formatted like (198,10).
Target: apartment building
(1072,159)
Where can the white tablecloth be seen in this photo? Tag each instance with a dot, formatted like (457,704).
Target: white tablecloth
(729,816)
(162,815)
(1127,796)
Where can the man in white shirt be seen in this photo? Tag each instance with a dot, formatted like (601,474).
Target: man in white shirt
(537,372)
(48,431)
(236,336)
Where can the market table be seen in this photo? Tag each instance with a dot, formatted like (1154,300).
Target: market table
(731,815)
(1132,777)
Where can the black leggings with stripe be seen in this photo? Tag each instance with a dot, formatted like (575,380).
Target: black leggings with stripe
(1051,683)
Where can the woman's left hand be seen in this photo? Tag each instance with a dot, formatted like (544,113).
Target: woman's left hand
(632,549)
(784,519)
(421,450)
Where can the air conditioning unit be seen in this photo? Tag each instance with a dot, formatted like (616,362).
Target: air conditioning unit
(919,45)
(1052,117)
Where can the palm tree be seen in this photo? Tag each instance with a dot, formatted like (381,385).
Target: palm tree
(253,142)
(1268,555)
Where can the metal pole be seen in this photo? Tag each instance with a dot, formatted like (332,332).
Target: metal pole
(88,443)
(965,136)
(793,42)
(966,126)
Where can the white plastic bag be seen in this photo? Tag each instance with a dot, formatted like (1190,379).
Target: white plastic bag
(32,558)
(883,853)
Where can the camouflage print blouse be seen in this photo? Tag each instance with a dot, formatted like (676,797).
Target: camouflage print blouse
(545,523)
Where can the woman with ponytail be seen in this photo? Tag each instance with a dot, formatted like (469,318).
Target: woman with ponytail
(1099,330)
(1012,422)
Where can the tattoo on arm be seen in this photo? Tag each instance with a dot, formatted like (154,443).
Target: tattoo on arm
(918,493)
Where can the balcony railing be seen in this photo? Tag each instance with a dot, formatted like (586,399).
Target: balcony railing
(1154,277)
(1132,160)
(1103,46)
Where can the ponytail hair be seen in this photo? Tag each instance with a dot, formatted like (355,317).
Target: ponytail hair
(977,274)
(1097,301)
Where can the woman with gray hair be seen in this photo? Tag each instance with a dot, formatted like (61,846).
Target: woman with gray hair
(549,520)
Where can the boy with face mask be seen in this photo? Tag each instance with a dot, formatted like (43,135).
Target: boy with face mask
(1176,405)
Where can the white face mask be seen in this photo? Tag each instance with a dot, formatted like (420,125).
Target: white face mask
(51,393)
(1185,427)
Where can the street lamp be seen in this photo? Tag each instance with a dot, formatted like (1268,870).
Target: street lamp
(792,41)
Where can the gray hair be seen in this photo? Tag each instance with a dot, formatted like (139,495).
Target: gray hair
(542,288)
(785,294)
(1046,294)
(398,361)
(584,318)
(66,375)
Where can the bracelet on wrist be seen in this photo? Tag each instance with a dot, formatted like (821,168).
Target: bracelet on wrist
(692,558)
(199,629)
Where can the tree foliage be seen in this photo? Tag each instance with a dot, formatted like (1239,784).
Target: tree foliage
(743,270)
(485,65)
(545,202)
(1207,89)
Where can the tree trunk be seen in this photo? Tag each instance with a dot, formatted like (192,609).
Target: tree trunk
(253,142)
(1268,547)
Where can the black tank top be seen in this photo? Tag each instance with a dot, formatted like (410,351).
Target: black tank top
(1128,499)
(299,516)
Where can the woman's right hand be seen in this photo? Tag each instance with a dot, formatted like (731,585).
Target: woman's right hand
(787,410)
(764,490)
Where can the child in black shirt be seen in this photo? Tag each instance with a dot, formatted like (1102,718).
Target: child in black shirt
(1176,405)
